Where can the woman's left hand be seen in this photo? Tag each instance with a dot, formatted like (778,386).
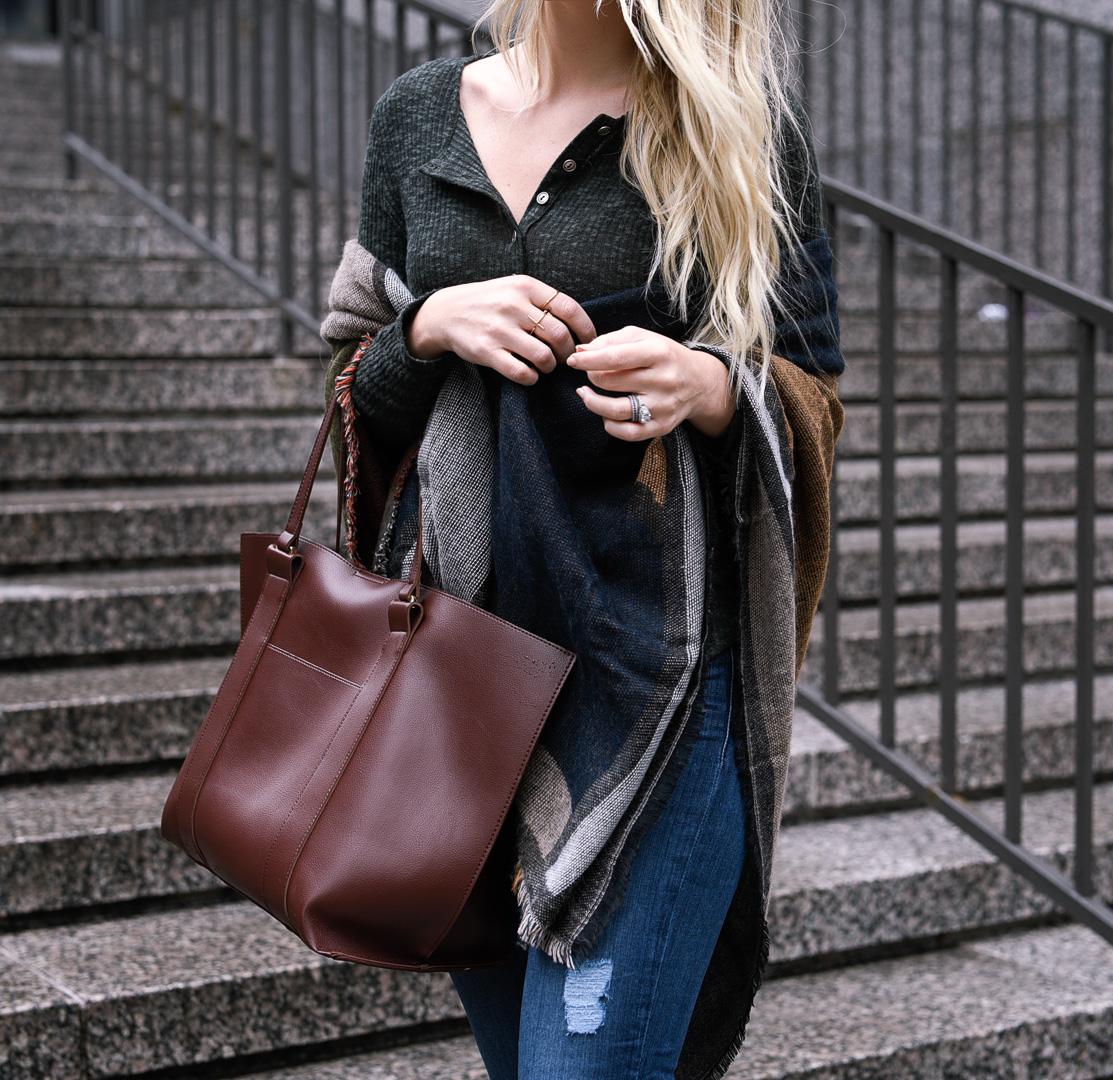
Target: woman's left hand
(675,383)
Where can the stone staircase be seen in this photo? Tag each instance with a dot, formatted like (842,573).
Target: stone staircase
(144,423)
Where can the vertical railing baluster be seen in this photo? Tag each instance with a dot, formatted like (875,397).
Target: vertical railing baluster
(1107,175)
(400,64)
(314,177)
(145,134)
(86,74)
(210,126)
(125,86)
(859,93)
(165,60)
(887,598)
(187,107)
(1014,570)
(285,207)
(947,107)
(886,97)
(65,20)
(1041,121)
(806,52)
(975,121)
(917,107)
(833,142)
(233,46)
(257,132)
(831,585)
(1007,131)
(1084,613)
(1072,155)
(948,524)
(431,35)
(107,141)
(341,126)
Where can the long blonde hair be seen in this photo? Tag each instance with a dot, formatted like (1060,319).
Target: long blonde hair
(709,104)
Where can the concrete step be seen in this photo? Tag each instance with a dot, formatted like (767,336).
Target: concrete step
(61,526)
(54,195)
(1048,640)
(96,613)
(32,332)
(60,236)
(54,388)
(1049,486)
(180,448)
(117,282)
(981,427)
(119,714)
(182,988)
(979,377)
(1034,1004)
(825,776)
(1049,557)
(104,387)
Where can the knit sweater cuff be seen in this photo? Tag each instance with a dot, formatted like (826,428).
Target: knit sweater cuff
(394,390)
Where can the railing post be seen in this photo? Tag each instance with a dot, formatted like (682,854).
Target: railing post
(1107,177)
(831,585)
(282,155)
(887,592)
(948,525)
(1014,570)
(64,17)
(1084,614)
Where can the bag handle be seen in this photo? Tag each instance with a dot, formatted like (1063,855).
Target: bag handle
(288,539)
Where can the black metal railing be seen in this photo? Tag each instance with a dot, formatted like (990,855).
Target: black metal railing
(244,122)
(992,118)
(1076,318)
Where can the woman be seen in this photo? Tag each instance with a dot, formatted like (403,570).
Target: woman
(601,231)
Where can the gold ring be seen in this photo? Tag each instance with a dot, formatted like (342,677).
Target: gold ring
(537,322)
(550,300)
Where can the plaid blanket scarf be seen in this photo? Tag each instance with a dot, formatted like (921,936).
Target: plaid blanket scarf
(532,511)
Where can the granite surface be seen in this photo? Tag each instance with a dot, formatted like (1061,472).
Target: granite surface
(198,985)
(51,529)
(1048,486)
(60,236)
(40,1025)
(162,449)
(91,613)
(121,387)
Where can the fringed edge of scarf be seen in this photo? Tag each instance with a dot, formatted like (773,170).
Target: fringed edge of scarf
(343,390)
(532,932)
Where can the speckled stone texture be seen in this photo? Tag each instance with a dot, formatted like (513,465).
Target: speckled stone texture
(93,332)
(164,449)
(59,236)
(1048,640)
(53,528)
(885,878)
(104,715)
(215,982)
(124,610)
(121,387)
(40,1026)
(824,773)
(1048,486)
(67,845)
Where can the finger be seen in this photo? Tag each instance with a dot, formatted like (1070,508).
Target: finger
(564,308)
(612,357)
(555,334)
(629,432)
(506,363)
(610,408)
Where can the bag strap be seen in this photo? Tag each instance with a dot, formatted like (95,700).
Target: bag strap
(288,539)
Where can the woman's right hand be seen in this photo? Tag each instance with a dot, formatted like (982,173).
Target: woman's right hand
(488,323)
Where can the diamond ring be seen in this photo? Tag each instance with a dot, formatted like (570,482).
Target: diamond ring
(639,411)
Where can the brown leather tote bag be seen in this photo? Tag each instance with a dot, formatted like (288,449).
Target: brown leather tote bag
(362,753)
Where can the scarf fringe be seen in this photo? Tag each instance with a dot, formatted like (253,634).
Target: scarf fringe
(343,390)
(539,936)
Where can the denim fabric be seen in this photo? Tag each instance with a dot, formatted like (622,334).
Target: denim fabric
(624,1011)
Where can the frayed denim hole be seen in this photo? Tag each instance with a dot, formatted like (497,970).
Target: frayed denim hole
(585,993)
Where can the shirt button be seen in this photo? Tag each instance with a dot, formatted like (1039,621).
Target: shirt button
(605,129)
(569,166)
(542,197)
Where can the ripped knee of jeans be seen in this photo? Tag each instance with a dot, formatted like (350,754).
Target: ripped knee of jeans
(585,995)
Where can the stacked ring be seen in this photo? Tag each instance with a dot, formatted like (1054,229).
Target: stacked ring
(544,311)
(639,411)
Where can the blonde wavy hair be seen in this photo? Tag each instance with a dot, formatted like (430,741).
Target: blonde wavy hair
(709,101)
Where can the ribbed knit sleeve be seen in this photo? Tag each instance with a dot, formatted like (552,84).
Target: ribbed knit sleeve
(393,390)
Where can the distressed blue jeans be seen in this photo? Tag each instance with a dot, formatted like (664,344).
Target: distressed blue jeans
(623,1012)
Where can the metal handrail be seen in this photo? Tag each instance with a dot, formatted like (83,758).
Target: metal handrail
(990,117)
(1091,314)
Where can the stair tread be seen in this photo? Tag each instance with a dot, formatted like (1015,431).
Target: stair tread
(106,583)
(51,500)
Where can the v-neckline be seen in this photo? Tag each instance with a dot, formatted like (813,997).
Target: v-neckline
(460,119)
